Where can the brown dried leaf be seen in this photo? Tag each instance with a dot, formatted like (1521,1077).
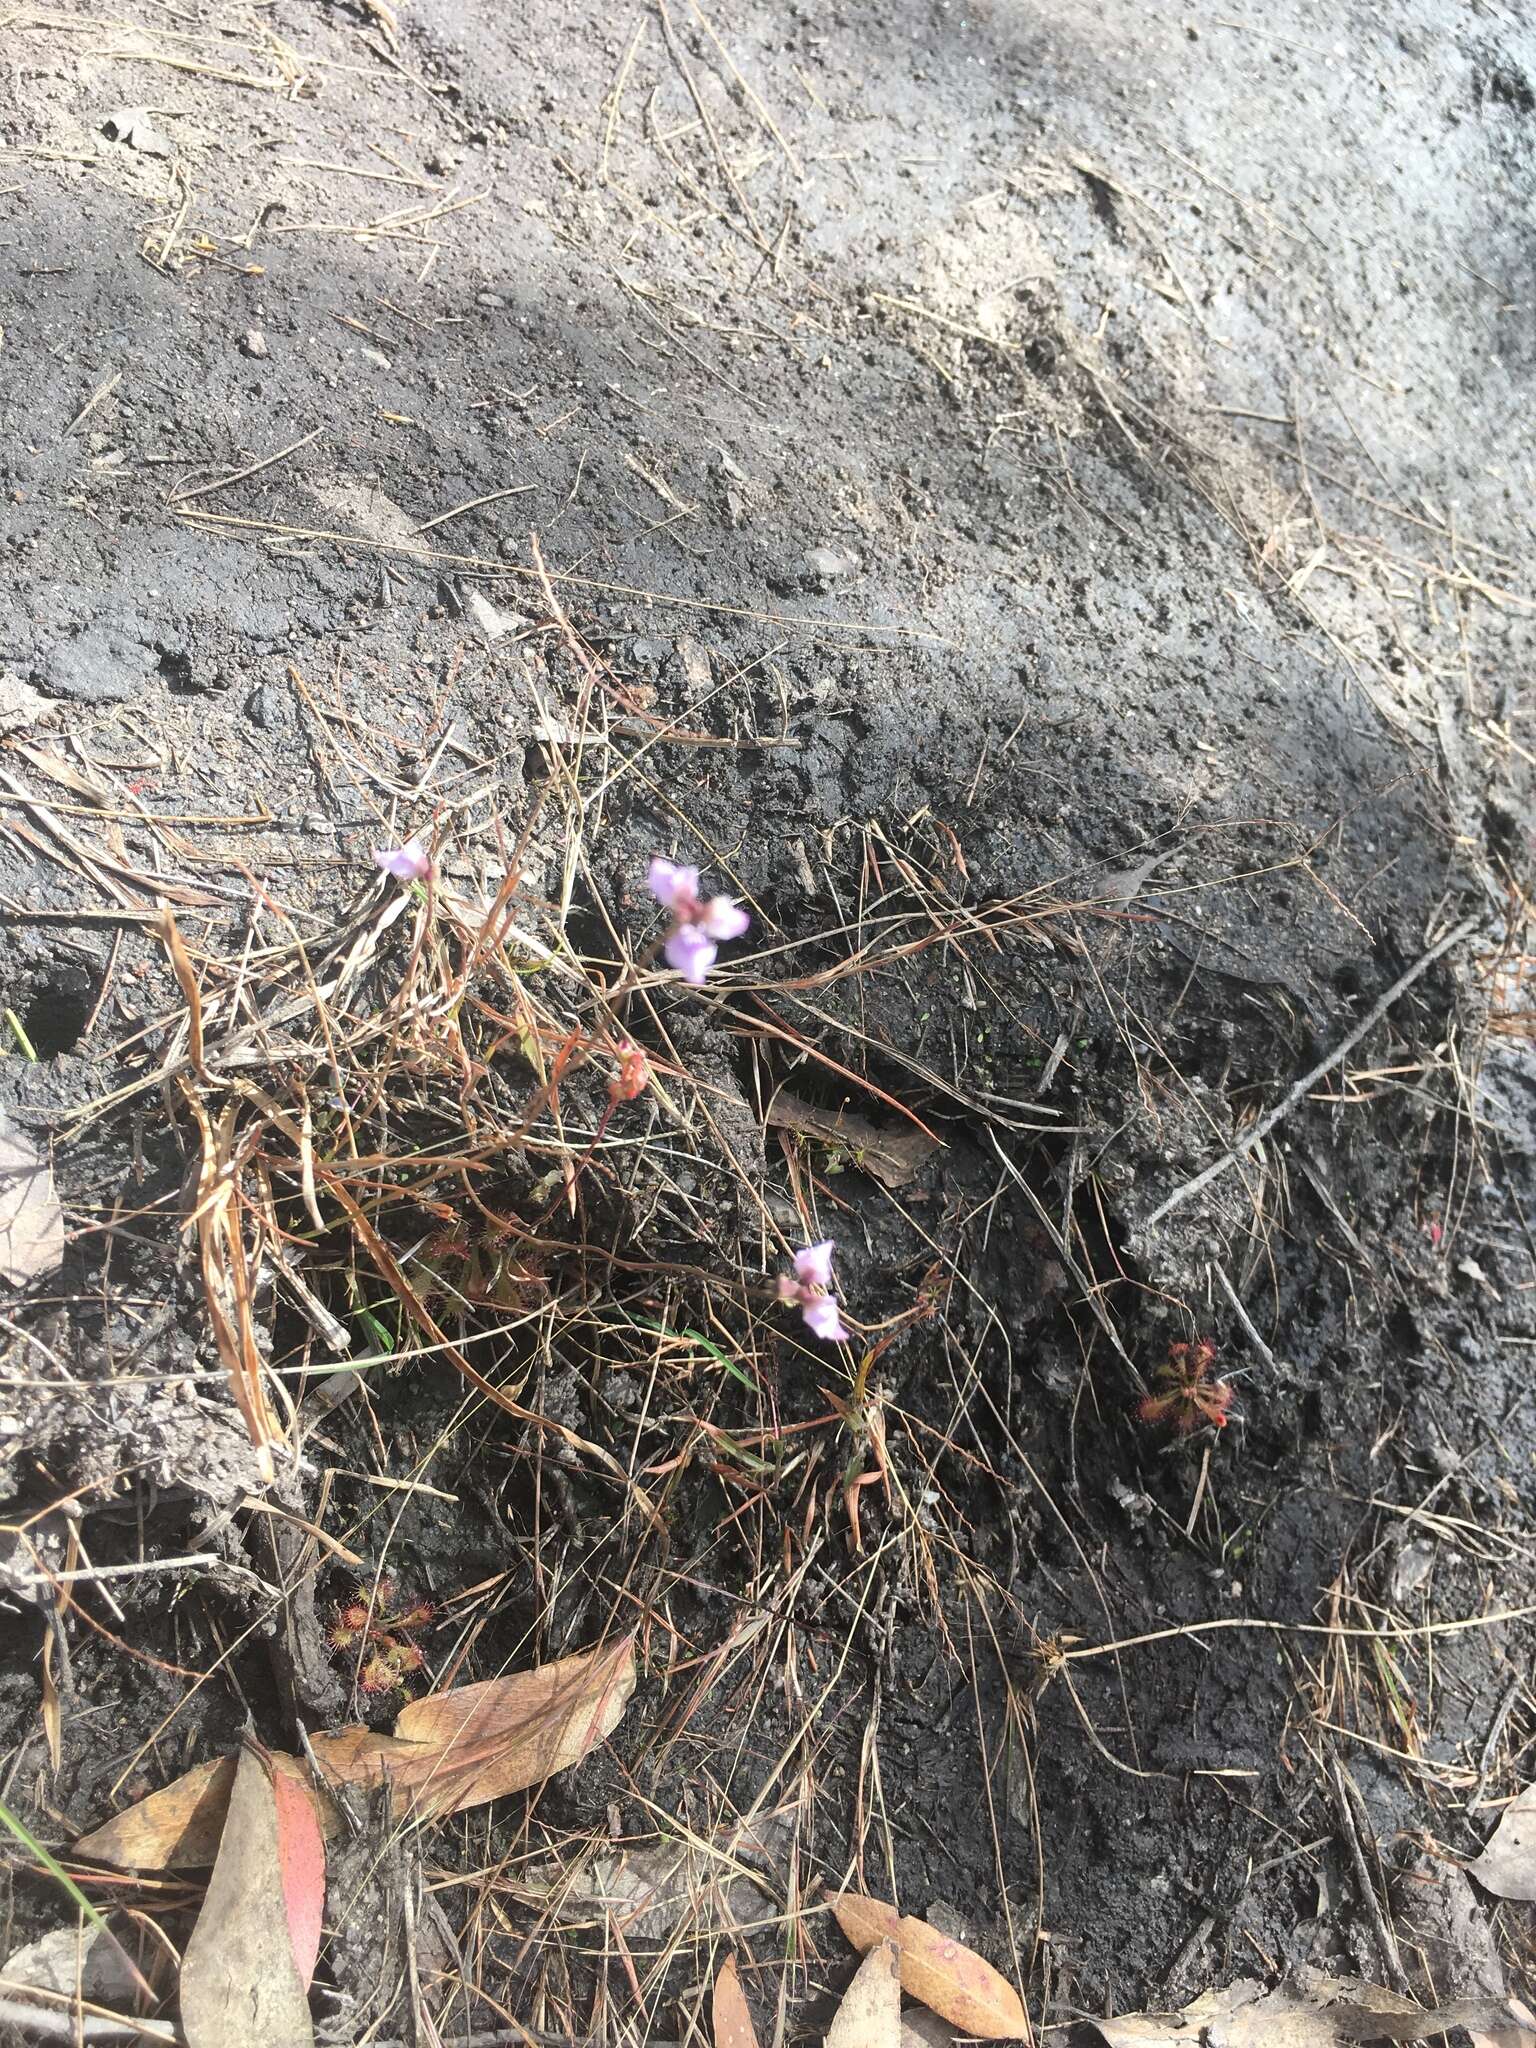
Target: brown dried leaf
(870,2014)
(1309,2010)
(1507,1866)
(239,1980)
(178,1828)
(953,1980)
(449,1751)
(732,2019)
(458,1749)
(31,1221)
(891,1156)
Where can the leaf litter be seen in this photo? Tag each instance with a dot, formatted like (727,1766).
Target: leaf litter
(1507,1866)
(870,2014)
(943,1974)
(648,1889)
(31,1221)
(450,1751)
(1307,2010)
(243,1977)
(732,2019)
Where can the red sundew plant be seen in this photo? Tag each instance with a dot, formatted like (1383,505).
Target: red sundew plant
(1190,1393)
(379,1636)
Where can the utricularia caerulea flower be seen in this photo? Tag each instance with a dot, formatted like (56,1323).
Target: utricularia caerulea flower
(698,928)
(810,1289)
(404,863)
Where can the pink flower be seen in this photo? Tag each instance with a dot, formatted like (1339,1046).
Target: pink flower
(634,1075)
(698,928)
(824,1319)
(691,951)
(813,1265)
(672,886)
(809,1289)
(404,863)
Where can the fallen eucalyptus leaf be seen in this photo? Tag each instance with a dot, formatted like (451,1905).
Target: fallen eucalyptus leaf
(870,2014)
(178,1827)
(31,1221)
(449,1751)
(458,1749)
(732,2019)
(942,1973)
(239,1977)
(1507,1866)
(301,1865)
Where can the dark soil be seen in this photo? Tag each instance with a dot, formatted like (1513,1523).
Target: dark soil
(1054,441)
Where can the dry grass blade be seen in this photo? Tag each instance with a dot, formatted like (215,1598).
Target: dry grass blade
(226,1275)
(187,981)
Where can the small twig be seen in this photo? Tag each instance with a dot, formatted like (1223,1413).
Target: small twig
(1190,1947)
(1354,1824)
(74,2027)
(1083,1280)
(1250,1330)
(490,498)
(91,404)
(1490,1747)
(676,50)
(1310,1079)
(32,1580)
(179,498)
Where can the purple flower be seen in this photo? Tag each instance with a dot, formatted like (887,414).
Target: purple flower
(809,1289)
(698,928)
(673,887)
(813,1265)
(691,951)
(404,863)
(824,1320)
(723,919)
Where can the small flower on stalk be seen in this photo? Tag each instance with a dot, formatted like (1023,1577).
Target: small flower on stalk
(405,863)
(634,1075)
(809,1289)
(698,928)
